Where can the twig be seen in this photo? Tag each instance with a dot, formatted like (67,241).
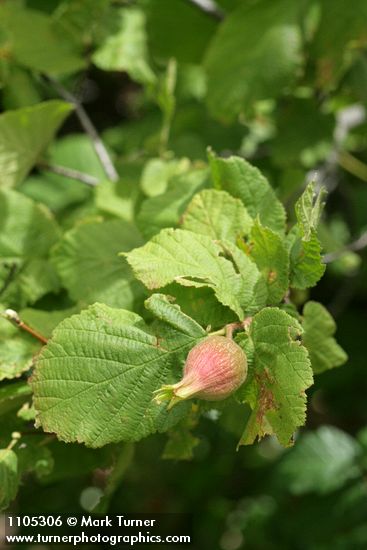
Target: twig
(89,128)
(208,7)
(354,246)
(14,318)
(70,173)
(353,165)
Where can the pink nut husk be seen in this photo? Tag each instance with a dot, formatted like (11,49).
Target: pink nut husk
(214,369)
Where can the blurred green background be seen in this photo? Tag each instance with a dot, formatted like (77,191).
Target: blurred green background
(282,83)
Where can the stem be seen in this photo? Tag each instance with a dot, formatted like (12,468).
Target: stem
(208,7)
(358,244)
(353,165)
(168,104)
(220,332)
(15,436)
(14,318)
(70,173)
(89,128)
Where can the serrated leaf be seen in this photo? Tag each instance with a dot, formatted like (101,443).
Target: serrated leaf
(267,250)
(202,305)
(321,462)
(306,266)
(280,374)
(217,215)
(9,477)
(309,208)
(254,293)
(166,210)
(25,134)
(163,308)
(183,257)
(125,48)
(245,182)
(95,379)
(89,267)
(245,65)
(318,337)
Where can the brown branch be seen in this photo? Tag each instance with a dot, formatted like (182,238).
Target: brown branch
(358,244)
(14,318)
(88,127)
(69,173)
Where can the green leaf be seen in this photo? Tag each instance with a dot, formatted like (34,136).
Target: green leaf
(245,182)
(321,462)
(254,55)
(168,39)
(25,134)
(176,255)
(318,337)
(21,89)
(124,48)
(27,231)
(121,198)
(340,33)
(37,43)
(27,412)
(89,267)
(34,280)
(307,267)
(217,215)
(95,379)
(202,305)
(166,210)
(162,308)
(17,350)
(80,21)
(9,477)
(157,172)
(253,294)
(309,208)
(271,257)
(280,374)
